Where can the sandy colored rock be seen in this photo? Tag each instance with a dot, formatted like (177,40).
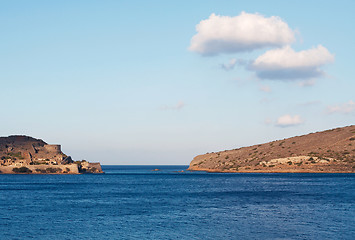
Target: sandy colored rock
(27,155)
(330,151)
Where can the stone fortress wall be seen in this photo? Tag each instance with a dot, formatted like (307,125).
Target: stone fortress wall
(23,154)
(53,148)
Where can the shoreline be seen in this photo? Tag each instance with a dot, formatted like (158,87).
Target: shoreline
(262,171)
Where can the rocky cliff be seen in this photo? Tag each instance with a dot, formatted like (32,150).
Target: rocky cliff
(328,151)
(24,154)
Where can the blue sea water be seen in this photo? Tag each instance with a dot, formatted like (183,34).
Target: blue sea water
(134,202)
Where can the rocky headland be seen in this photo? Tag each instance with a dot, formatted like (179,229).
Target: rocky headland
(331,151)
(27,155)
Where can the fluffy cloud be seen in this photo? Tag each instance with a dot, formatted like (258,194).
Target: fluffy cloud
(233,62)
(286,64)
(178,106)
(307,82)
(268,121)
(288,121)
(342,108)
(230,65)
(245,32)
(266,89)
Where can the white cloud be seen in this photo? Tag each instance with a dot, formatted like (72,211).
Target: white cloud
(268,121)
(233,62)
(307,83)
(177,106)
(288,121)
(266,100)
(284,63)
(230,65)
(342,108)
(245,32)
(264,88)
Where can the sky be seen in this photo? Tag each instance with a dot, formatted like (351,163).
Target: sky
(159,82)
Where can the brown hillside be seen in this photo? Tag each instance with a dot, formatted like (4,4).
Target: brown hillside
(28,149)
(24,154)
(328,151)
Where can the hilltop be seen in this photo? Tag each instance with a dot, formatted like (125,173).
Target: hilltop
(24,154)
(328,151)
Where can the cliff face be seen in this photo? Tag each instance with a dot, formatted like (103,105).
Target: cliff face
(23,154)
(328,151)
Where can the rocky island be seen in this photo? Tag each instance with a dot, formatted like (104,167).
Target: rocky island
(24,154)
(331,151)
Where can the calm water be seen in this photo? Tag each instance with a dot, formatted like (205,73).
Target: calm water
(133,202)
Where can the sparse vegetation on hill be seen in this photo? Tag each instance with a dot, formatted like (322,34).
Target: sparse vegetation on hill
(328,151)
(23,154)
(21,170)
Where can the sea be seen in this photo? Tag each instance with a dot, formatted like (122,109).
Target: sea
(135,202)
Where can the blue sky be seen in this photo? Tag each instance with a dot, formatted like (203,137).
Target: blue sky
(119,81)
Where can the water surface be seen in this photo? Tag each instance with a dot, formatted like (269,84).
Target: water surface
(134,202)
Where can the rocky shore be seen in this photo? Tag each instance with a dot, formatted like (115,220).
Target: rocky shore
(27,155)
